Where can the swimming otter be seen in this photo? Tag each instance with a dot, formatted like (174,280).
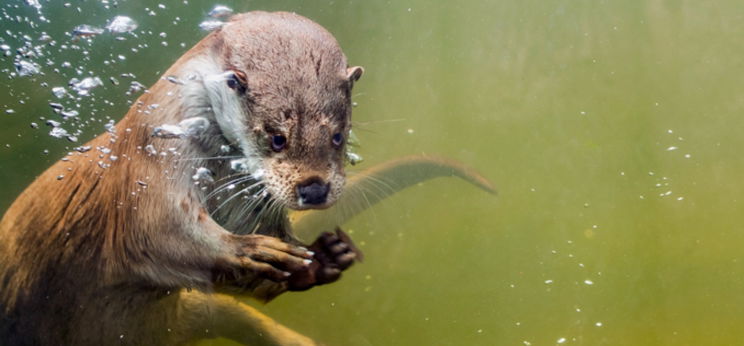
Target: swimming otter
(132,237)
(133,216)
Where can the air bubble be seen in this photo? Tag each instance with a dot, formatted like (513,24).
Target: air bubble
(26,68)
(86,30)
(203,175)
(121,24)
(220,11)
(211,25)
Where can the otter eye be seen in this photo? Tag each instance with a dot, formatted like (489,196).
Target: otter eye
(337,140)
(278,142)
(237,81)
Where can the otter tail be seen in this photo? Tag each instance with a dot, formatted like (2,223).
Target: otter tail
(379,182)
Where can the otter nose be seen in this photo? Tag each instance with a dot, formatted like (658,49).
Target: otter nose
(313,191)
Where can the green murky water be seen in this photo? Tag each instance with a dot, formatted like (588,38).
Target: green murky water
(612,130)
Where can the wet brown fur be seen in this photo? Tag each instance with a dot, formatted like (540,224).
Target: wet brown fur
(102,255)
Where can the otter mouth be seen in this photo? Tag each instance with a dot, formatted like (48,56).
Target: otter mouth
(301,206)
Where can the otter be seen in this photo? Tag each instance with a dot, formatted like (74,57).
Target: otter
(142,235)
(103,234)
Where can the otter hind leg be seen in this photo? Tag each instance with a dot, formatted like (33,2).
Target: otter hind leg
(209,315)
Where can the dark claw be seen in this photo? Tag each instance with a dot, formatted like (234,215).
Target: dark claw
(339,248)
(347,240)
(346,260)
(328,238)
(330,274)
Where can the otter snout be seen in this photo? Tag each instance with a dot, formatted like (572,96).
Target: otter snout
(313,191)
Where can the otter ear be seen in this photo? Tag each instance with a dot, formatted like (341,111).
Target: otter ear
(354,73)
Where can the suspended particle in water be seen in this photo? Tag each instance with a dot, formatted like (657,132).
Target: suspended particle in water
(560,341)
(672,148)
(588,282)
(598,324)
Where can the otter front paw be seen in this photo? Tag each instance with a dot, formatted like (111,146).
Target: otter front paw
(334,253)
(263,257)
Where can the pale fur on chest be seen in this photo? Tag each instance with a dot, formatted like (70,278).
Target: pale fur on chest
(235,196)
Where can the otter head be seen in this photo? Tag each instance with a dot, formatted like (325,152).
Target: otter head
(280,91)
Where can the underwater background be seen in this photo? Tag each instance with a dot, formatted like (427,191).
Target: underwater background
(611,129)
